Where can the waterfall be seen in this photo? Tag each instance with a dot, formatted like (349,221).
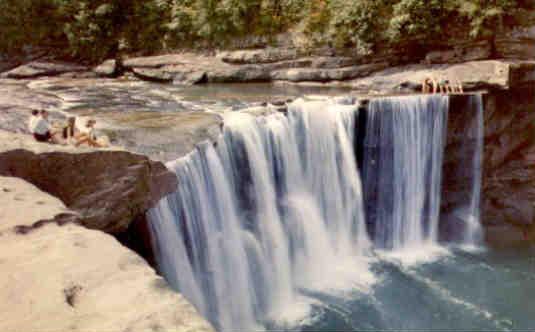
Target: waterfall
(403,152)
(473,232)
(273,209)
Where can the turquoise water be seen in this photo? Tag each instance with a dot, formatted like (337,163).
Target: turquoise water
(459,290)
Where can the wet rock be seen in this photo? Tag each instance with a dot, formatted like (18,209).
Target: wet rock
(39,68)
(163,136)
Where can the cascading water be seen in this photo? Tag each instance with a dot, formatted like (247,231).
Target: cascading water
(275,208)
(403,151)
(473,233)
(274,212)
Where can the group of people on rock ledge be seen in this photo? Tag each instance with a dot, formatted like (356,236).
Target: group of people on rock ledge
(431,85)
(65,134)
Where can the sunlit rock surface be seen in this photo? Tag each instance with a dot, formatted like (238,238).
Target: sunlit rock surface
(69,278)
(107,187)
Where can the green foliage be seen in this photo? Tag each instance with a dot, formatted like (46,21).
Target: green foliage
(96,29)
(355,23)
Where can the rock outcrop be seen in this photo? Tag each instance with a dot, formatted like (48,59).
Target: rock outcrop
(69,278)
(509,160)
(474,75)
(40,68)
(109,68)
(108,188)
(466,62)
(518,43)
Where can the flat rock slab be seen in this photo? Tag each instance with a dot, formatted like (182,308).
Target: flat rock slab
(39,68)
(268,55)
(23,204)
(473,75)
(69,278)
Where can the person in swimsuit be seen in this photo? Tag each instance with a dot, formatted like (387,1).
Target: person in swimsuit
(88,136)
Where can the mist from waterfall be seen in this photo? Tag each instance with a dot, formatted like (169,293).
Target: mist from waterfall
(402,169)
(273,209)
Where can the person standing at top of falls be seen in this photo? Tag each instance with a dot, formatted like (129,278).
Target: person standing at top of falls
(444,86)
(429,85)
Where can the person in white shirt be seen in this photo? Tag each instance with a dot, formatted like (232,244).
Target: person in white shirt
(42,130)
(33,121)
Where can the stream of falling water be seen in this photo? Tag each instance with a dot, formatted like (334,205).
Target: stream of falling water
(275,211)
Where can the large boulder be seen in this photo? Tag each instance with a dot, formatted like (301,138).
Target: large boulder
(153,75)
(69,278)
(109,68)
(40,68)
(108,188)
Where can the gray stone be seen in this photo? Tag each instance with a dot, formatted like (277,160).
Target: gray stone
(238,74)
(154,61)
(38,69)
(326,75)
(108,68)
(267,55)
(153,74)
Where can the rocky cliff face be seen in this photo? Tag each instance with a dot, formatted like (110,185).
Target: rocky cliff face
(508,163)
(509,160)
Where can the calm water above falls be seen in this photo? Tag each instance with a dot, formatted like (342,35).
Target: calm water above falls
(268,229)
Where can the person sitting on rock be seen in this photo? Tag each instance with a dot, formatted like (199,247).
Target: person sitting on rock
(33,121)
(70,132)
(42,130)
(88,136)
(429,85)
